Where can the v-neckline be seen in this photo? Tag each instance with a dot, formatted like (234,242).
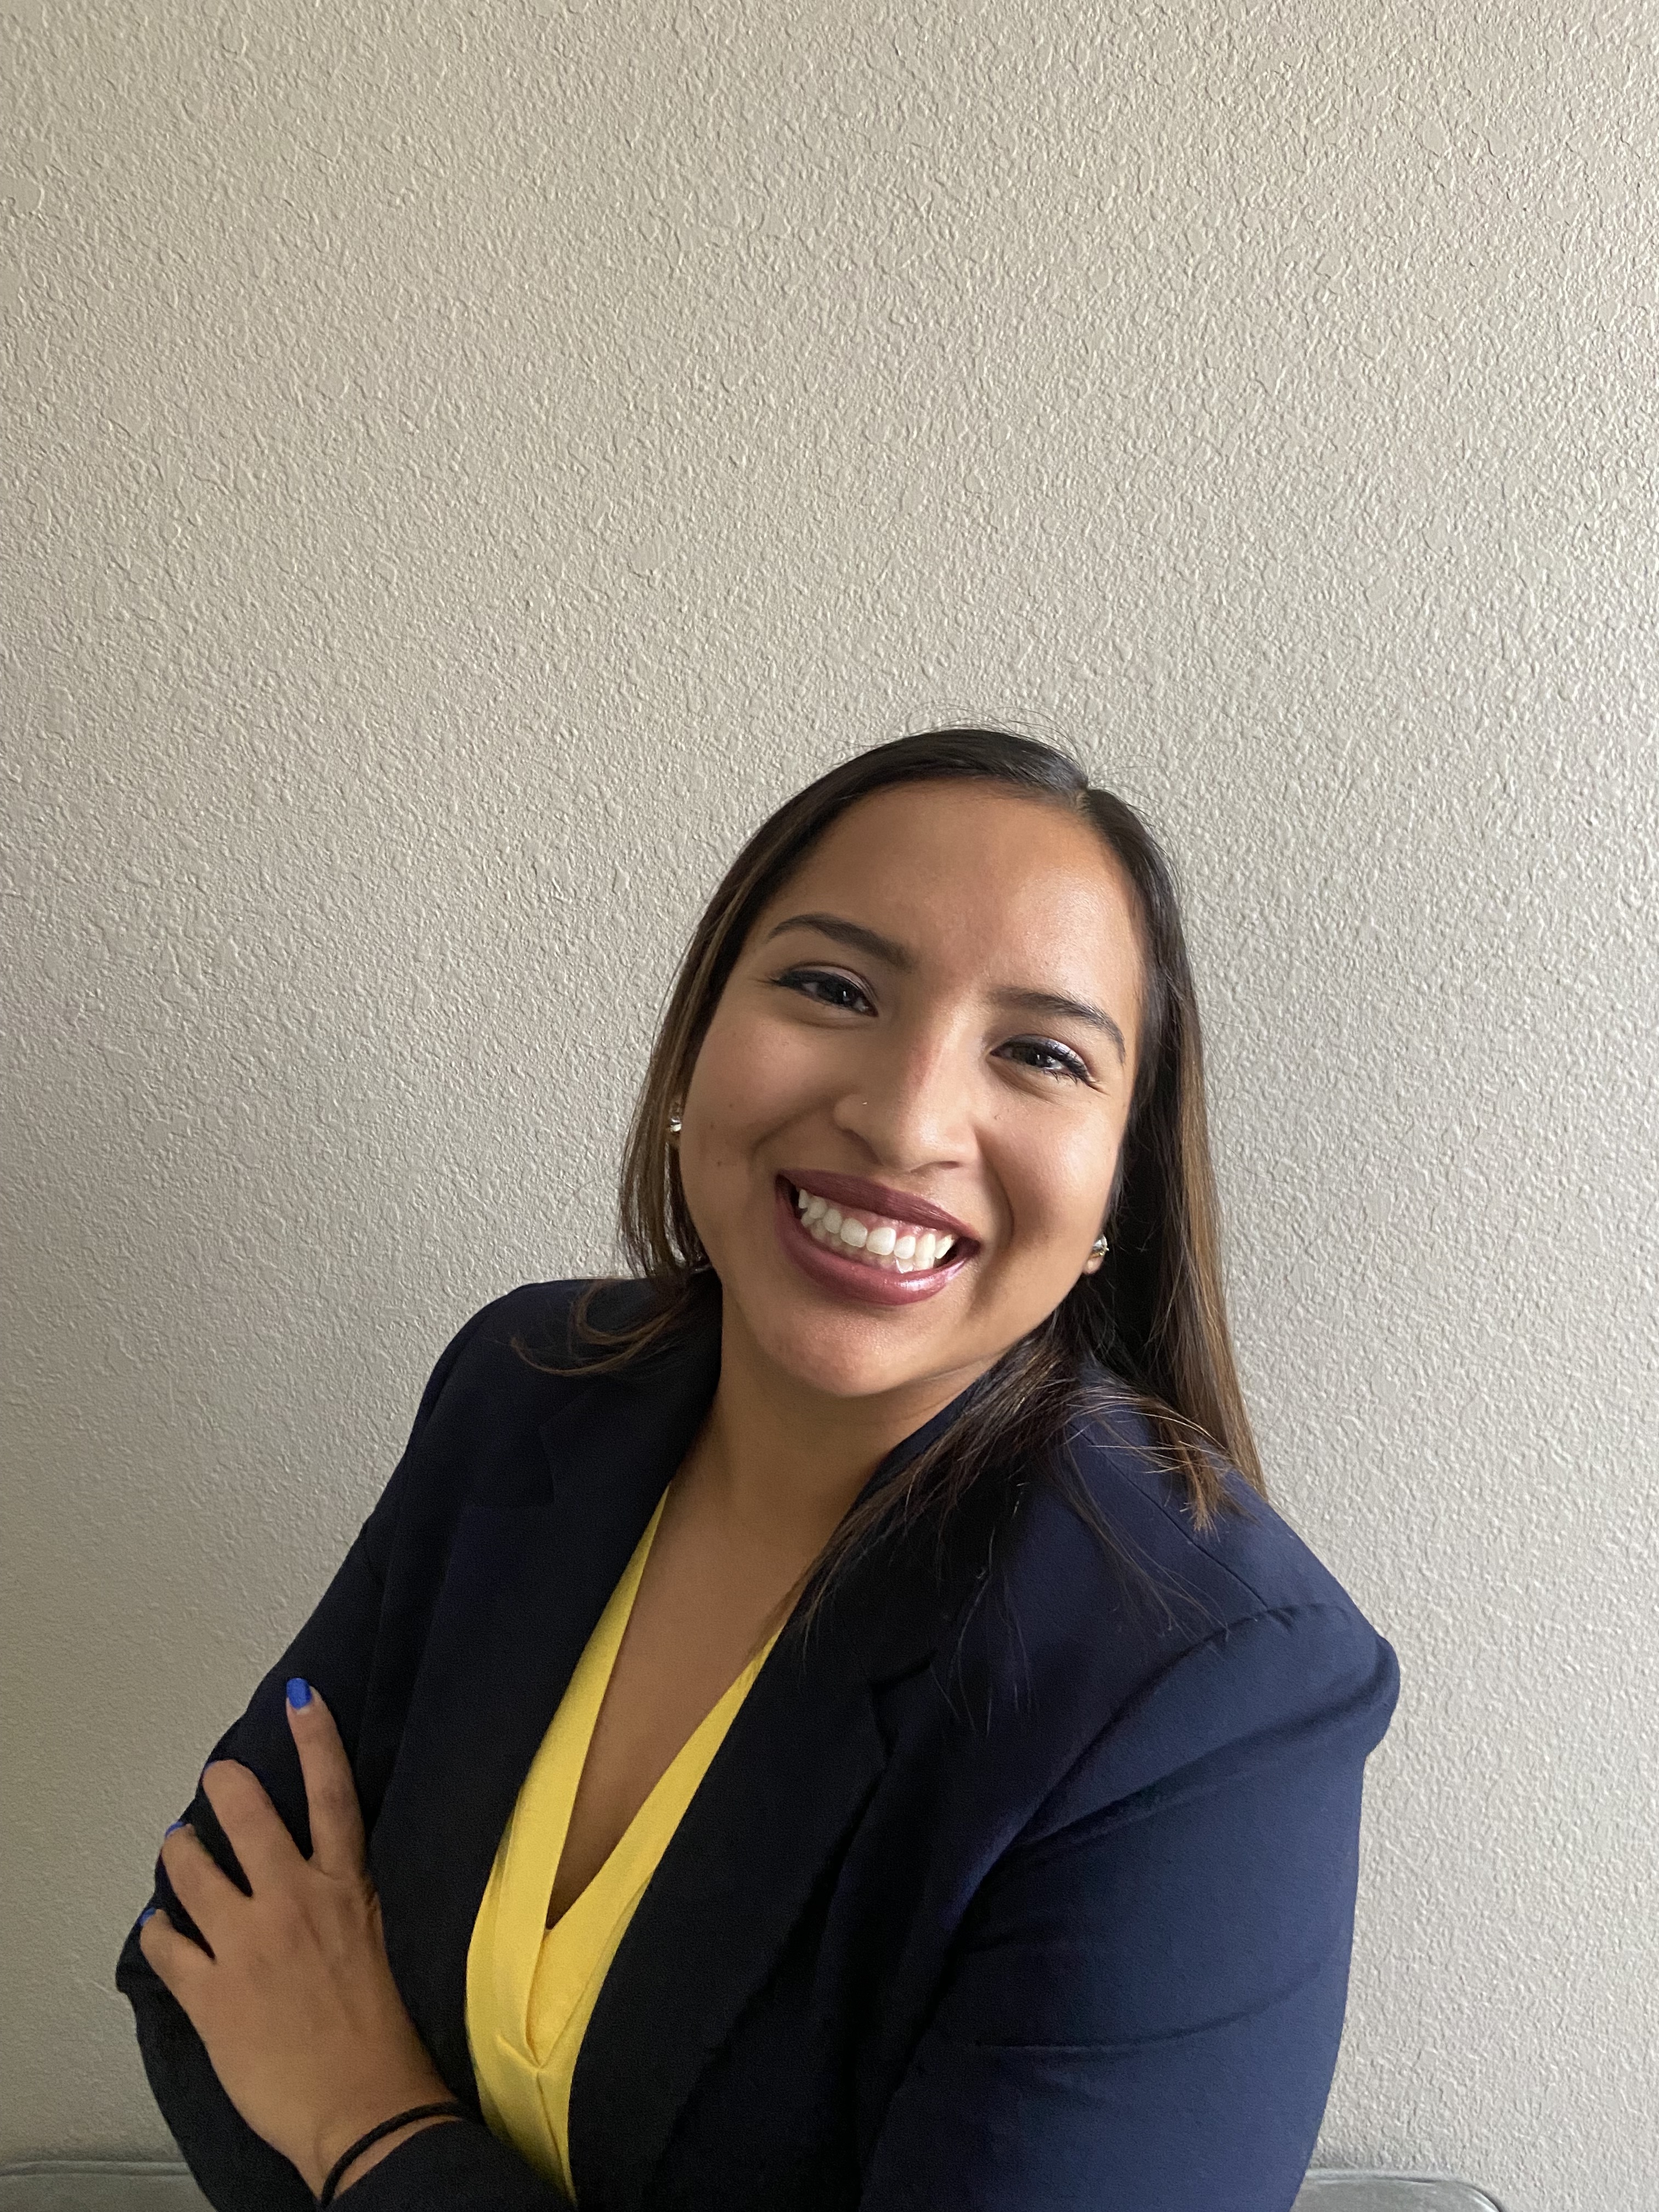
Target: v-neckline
(588,1685)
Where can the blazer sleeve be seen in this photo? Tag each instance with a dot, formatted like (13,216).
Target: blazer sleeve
(237,2170)
(1146,2005)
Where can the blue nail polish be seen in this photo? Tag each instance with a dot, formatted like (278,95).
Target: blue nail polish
(299,1691)
(171,1829)
(149,1913)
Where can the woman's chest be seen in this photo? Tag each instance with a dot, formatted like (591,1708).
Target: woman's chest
(701,1606)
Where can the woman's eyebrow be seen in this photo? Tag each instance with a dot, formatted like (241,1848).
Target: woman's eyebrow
(1054,1004)
(1060,1008)
(851,934)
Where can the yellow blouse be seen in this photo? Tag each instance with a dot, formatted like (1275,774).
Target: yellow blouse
(531,1989)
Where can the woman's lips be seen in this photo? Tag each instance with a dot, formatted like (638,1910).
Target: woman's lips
(878,1198)
(854,1278)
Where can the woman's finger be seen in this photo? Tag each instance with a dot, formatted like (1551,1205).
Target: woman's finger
(337,1819)
(206,1893)
(253,1828)
(180,1964)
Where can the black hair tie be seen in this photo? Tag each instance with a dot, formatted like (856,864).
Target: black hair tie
(398,2120)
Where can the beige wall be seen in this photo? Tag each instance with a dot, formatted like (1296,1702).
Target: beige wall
(462,465)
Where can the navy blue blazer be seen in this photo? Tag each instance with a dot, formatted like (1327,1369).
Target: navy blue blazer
(1008,1888)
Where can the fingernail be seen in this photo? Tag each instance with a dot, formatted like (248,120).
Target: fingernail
(149,1913)
(171,1829)
(299,1691)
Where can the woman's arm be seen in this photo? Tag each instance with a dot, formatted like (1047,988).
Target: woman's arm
(334,1650)
(1147,2003)
(1148,1999)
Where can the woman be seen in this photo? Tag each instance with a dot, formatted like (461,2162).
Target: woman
(834,1719)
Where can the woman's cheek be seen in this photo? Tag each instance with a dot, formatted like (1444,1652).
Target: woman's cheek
(1056,1185)
(754,1072)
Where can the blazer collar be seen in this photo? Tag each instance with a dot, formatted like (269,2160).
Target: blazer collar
(525,1584)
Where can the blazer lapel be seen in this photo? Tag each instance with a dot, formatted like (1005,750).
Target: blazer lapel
(523,1586)
(797,1766)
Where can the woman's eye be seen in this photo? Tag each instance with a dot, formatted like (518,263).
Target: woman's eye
(825,987)
(1048,1057)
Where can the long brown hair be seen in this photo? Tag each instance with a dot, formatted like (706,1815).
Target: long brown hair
(1150,1326)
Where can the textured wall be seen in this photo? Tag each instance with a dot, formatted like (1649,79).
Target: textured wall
(462,465)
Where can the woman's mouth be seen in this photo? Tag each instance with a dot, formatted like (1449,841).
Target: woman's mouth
(882,1257)
(879,1240)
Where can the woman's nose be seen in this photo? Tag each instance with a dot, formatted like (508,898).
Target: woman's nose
(911,1109)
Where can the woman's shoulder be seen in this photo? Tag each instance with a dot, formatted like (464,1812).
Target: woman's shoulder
(1179,1638)
(534,1343)
(535,1324)
(1162,1650)
(1243,1560)
(506,1372)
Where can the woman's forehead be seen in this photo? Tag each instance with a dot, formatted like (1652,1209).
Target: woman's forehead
(977,882)
(1017,863)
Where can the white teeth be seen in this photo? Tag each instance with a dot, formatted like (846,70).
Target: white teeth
(907,1254)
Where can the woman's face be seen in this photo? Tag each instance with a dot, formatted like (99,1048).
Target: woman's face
(930,1033)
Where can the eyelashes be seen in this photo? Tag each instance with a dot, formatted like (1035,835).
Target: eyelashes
(1067,1062)
(1062,1060)
(797,979)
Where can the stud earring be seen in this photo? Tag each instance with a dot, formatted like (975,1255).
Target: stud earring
(674,1122)
(1100,1247)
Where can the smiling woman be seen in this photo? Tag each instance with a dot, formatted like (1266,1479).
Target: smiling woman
(829,1719)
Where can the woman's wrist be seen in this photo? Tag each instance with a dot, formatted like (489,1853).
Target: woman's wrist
(376,2151)
(367,2110)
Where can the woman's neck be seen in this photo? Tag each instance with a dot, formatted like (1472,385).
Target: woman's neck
(784,1463)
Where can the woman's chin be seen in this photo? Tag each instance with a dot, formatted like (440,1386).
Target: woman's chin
(848,1354)
(825,1330)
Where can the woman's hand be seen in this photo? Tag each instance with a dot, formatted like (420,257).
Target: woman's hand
(296,2006)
